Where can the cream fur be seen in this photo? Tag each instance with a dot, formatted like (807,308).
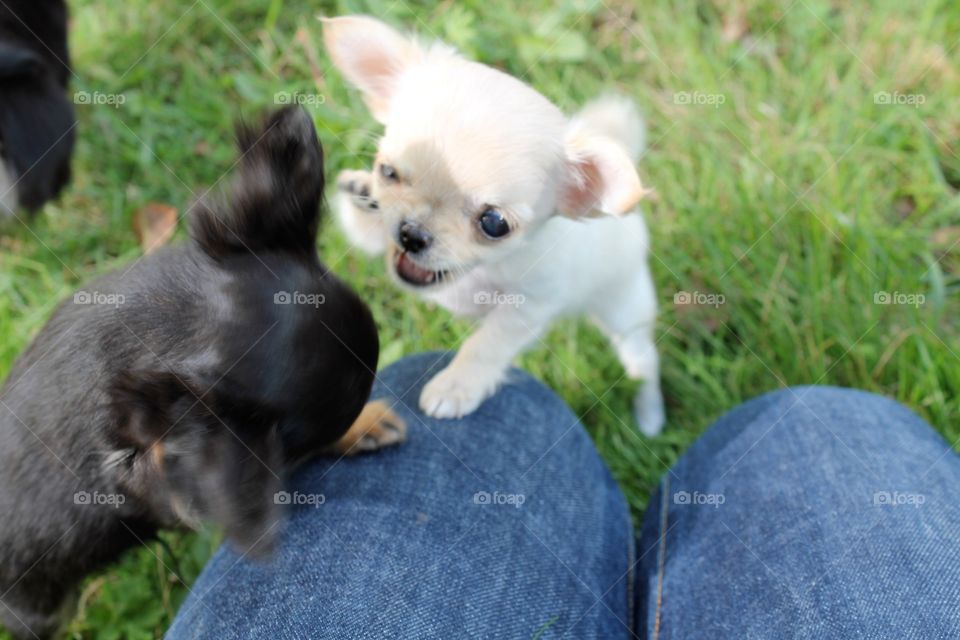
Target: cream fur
(462,136)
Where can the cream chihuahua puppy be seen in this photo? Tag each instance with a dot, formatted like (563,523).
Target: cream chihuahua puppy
(487,200)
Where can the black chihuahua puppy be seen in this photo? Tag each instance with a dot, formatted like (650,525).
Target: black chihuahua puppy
(182,388)
(36,115)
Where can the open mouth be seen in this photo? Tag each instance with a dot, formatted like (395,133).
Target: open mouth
(414,274)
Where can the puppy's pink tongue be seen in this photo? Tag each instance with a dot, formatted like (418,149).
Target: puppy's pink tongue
(411,272)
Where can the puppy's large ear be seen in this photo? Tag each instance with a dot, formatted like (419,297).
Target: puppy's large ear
(599,177)
(371,55)
(273,203)
(200,456)
(18,62)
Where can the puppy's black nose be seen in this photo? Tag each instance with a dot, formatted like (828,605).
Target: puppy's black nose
(413,237)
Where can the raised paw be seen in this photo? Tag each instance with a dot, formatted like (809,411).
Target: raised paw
(357,185)
(453,393)
(376,427)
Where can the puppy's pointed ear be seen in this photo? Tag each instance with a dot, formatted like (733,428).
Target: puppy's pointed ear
(143,402)
(371,55)
(18,62)
(273,203)
(599,177)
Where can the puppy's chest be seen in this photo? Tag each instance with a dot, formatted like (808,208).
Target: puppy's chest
(474,295)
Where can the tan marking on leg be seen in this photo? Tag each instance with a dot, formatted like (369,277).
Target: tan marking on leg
(376,427)
(157,453)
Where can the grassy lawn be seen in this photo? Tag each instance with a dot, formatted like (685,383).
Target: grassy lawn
(804,156)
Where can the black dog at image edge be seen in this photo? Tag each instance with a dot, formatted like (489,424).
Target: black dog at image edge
(36,115)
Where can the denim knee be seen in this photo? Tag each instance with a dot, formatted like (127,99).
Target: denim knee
(816,419)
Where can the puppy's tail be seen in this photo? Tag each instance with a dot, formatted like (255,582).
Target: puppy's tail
(615,117)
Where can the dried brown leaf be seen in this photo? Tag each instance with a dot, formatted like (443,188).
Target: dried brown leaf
(154,224)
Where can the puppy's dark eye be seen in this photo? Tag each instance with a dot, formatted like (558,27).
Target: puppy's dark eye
(388,172)
(493,224)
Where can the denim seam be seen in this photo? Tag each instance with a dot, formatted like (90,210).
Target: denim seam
(631,570)
(661,553)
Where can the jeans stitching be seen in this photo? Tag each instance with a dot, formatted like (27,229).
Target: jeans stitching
(661,553)
(631,571)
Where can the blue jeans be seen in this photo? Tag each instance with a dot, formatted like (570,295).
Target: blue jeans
(806,513)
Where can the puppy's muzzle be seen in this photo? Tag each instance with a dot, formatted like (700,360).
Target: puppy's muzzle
(413,237)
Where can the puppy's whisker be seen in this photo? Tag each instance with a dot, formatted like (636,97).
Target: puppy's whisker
(115,459)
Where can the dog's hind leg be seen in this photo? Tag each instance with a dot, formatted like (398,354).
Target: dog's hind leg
(628,317)
(358,212)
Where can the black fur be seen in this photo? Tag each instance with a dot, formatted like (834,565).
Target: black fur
(36,114)
(191,395)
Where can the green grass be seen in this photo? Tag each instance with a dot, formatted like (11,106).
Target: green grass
(784,186)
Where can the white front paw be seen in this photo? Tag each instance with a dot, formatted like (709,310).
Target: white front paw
(454,393)
(359,214)
(357,185)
